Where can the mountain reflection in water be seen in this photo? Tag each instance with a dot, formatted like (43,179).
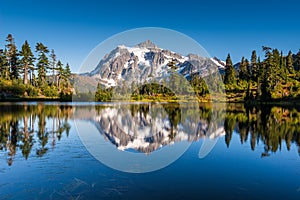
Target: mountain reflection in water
(33,129)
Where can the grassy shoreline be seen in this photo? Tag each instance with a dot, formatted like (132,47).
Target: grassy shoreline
(286,101)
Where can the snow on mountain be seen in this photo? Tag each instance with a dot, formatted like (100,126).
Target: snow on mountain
(145,61)
(218,62)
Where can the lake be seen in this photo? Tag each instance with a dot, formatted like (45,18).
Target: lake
(148,151)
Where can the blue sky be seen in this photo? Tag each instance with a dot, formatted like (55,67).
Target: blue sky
(74,28)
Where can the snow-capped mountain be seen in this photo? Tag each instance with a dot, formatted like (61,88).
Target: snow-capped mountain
(146,61)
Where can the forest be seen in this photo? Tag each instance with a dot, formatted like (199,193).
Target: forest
(27,73)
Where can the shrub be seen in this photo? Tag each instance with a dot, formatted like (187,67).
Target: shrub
(50,91)
(32,91)
(17,89)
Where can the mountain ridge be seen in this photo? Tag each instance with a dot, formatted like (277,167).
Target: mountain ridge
(146,61)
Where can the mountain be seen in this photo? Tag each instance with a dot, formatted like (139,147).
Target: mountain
(146,61)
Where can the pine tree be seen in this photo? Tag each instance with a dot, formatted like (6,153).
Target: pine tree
(259,77)
(289,63)
(249,70)
(60,73)
(52,65)
(243,70)
(297,68)
(68,71)
(42,64)
(267,79)
(174,77)
(283,70)
(4,67)
(229,71)
(12,57)
(67,75)
(276,68)
(26,60)
(254,66)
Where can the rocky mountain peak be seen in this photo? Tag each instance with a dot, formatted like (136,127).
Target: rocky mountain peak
(146,60)
(147,44)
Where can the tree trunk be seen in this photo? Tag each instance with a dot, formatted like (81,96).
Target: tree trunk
(53,76)
(25,79)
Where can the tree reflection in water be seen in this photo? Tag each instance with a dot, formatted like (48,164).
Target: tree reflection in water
(24,126)
(272,125)
(32,129)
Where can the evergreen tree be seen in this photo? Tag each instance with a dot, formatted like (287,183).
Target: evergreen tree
(277,65)
(267,81)
(4,67)
(283,69)
(254,66)
(26,60)
(229,71)
(60,73)
(42,64)
(243,70)
(174,76)
(68,71)
(67,75)
(249,70)
(12,57)
(289,62)
(52,65)
(298,61)
(259,77)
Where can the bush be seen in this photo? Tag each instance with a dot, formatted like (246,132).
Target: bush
(50,91)
(32,91)
(17,89)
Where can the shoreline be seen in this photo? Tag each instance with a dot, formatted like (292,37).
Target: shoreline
(281,102)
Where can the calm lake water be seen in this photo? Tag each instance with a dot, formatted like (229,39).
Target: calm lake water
(89,151)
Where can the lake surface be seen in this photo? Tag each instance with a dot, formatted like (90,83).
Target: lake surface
(148,151)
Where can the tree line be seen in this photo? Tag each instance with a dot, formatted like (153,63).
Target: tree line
(25,74)
(275,77)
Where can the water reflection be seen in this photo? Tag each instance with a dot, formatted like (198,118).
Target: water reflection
(33,129)
(270,125)
(148,127)
(26,128)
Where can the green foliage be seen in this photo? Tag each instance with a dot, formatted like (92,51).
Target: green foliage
(199,86)
(50,91)
(12,57)
(273,78)
(103,94)
(17,88)
(4,66)
(289,62)
(229,71)
(32,91)
(27,60)
(20,78)
(243,72)
(254,66)
(43,63)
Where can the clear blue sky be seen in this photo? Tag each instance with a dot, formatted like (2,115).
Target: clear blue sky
(73,28)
